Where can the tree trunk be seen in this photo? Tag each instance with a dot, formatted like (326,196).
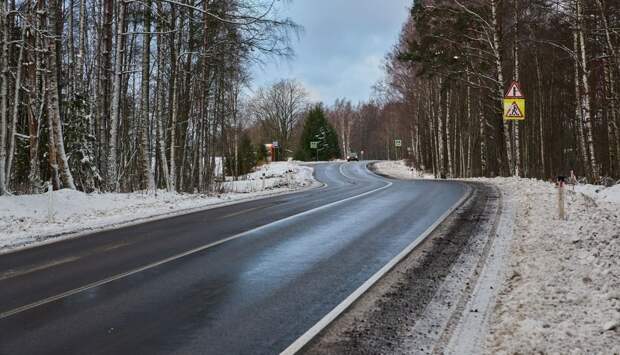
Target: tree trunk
(448,134)
(471,126)
(54,97)
(608,40)
(112,176)
(16,101)
(104,75)
(612,129)
(541,132)
(515,124)
(497,50)
(586,102)
(148,179)
(175,108)
(4,92)
(579,109)
(82,47)
(160,121)
(440,140)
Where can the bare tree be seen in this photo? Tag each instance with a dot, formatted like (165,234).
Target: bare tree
(278,108)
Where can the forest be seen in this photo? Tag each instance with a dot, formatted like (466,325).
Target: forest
(129,95)
(123,95)
(455,59)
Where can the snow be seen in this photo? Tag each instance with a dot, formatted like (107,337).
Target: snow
(271,176)
(600,193)
(25,219)
(555,283)
(560,291)
(398,169)
(471,329)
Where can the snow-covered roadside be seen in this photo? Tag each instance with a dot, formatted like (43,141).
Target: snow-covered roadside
(24,219)
(561,290)
(557,286)
(398,169)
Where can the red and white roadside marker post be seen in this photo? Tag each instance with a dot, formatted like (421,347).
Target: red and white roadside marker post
(561,203)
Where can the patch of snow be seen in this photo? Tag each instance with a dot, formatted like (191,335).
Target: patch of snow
(25,219)
(600,193)
(399,169)
(272,176)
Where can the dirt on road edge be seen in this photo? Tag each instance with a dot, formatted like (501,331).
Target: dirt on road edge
(415,307)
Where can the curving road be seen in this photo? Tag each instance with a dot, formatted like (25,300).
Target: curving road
(245,278)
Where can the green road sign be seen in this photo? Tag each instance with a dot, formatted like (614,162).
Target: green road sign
(314,145)
(398,143)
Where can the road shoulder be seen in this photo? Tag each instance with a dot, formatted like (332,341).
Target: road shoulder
(412,309)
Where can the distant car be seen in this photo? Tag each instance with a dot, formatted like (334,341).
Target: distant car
(352,157)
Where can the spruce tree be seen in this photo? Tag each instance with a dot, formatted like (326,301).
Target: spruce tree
(317,129)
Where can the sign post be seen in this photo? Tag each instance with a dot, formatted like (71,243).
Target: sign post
(275,145)
(315,145)
(514,103)
(398,143)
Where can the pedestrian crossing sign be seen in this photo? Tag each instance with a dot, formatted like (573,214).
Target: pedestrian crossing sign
(514,109)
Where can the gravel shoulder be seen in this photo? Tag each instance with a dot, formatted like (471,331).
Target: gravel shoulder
(416,307)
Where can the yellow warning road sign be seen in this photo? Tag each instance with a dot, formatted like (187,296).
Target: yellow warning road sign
(514,109)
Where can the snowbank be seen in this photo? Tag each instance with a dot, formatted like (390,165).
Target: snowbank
(600,193)
(398,169)
(25,219)
(272,176)
(561,291)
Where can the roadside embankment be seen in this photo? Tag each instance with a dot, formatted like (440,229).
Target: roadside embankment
(524,282)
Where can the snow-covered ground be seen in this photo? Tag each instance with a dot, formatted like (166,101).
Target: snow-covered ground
(277,175)
(559,288)
(399,170)
(600,193)
(25,220)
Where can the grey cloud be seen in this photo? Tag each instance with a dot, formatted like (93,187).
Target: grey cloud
(340,53)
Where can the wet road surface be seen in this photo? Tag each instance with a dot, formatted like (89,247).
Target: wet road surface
(245,278)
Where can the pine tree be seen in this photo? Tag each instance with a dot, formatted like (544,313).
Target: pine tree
(317,129)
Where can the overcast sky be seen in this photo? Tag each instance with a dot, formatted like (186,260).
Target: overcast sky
(341,50)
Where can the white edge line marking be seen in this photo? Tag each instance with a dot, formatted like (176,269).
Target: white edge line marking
(178,256)
(298,344)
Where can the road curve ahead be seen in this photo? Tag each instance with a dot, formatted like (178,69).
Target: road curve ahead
(246,278)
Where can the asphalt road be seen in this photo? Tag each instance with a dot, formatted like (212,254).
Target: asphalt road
(245,278)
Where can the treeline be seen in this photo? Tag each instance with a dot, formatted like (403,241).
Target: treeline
(448,73)
(119,95)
